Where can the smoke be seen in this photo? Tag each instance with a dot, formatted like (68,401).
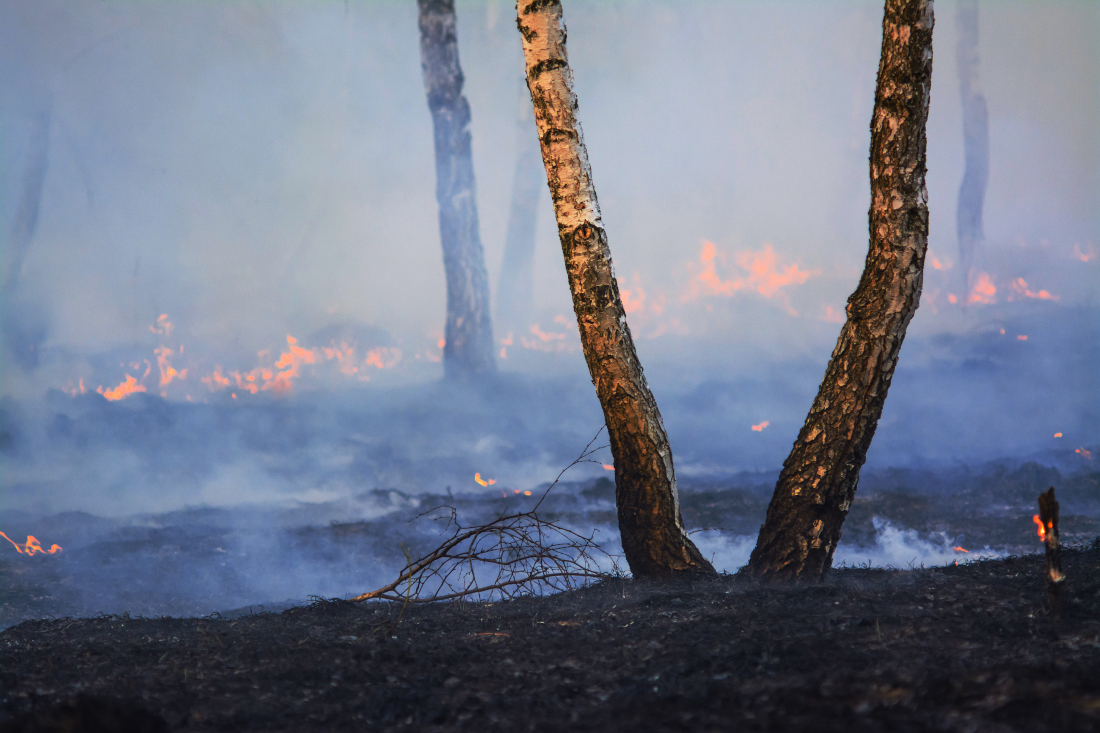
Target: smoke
(219,178)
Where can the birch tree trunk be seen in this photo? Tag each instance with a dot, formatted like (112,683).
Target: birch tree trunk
(469,333)
(517,274)
(652,530)
(818,481)
(968,215)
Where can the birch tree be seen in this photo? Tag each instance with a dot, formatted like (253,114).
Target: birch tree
(468,347)
(654,540)
(818,481)
(968,215)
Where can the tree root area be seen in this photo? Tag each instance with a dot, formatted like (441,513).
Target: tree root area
(962,648)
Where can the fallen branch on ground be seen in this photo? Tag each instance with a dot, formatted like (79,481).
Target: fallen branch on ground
(513,555)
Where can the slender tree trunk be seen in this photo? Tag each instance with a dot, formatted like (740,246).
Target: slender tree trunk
(517,275)
(653,536)
(968,215)
(818,481)
(469,333)
(26,216)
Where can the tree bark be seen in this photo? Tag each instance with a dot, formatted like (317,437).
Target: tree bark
(517,275)
(652,530)
(26,216)
(968,215)
(818,481)
(468,349)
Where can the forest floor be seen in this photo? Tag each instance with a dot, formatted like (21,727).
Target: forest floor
(972,647)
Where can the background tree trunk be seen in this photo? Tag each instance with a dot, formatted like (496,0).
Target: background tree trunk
(653,536)
(469,332)
(517,274)
(968,215)
(818,481)
(26,216)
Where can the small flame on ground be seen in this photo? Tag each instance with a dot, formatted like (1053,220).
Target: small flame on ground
(32,546)
(1020,286)
(125,389)
(960,549)
(1084,255)
(760,428)
(484,482)
(984,291)
(765,275)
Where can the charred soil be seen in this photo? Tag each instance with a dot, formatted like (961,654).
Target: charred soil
(971,647)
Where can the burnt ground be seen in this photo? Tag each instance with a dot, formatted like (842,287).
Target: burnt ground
(971,647)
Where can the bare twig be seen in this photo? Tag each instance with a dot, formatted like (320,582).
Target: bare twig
(517,554)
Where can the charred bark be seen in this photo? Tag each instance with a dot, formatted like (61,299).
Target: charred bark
(469,333)
(517,275)
(26,216)
(1048,523)
(968,214)
(654,541)
(818,481)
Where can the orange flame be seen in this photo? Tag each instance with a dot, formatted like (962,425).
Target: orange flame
(1019,285)
(760,428)
(984,291)
(167,373)
(32,546)
(484,482)
(1084,256)
(162,326)
(765,274)
(1042,529)
(960,549)
(607,467)
(1087,455)
(125,389)
(1057,435)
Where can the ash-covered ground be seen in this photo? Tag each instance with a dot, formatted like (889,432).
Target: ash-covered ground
(972,647)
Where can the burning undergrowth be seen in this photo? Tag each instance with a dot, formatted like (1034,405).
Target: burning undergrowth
(200,560)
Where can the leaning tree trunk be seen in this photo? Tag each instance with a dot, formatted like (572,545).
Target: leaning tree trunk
(468,349)
(653,536)
(968,215)
(517,275)
(818,481)
(26,216)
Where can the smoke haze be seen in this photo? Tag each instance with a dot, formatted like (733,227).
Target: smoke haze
(221,177)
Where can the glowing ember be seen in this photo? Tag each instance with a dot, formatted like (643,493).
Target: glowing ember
(760,428)
(127,388)
(607,467)
(484,482)
(32,546)
(984,291)
(1084,453)
(1057,435)
(1042,529)
(960,549)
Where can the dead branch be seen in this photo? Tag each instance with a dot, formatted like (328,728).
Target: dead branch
(513,555)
